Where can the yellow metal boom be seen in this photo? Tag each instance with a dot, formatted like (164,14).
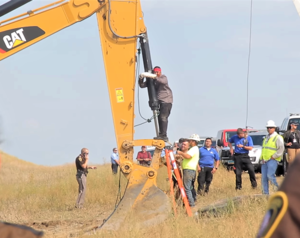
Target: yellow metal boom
(121,24)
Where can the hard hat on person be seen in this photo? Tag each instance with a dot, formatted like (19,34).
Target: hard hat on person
(194,137)
(270,123)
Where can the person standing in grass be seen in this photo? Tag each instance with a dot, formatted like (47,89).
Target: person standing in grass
(272,151)
(144,157)
(82,167)
(189,165)
(114,161)
(292,141)
(241,157)
(206,168)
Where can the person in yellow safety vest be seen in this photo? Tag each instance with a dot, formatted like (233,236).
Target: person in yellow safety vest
(272,151)
(189,167)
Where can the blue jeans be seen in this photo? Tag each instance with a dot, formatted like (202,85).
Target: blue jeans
(268,174)
(189,177)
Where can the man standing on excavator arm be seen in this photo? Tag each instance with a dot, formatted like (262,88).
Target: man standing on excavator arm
(165,98)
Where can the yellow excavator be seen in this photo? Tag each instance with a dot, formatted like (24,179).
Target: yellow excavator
(121,27)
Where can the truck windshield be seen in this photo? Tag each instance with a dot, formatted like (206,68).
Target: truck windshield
(201,143)
(257,139)
(230,134)
(213,144)
(296,120)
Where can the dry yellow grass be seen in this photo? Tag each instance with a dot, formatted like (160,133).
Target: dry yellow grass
(44,198)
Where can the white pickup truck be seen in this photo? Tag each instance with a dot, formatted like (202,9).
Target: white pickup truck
(255,153)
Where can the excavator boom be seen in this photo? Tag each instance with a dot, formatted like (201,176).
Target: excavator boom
(121,26)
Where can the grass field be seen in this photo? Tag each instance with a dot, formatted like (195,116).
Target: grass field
(44,198)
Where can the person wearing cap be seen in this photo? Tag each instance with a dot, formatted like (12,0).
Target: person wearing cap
(144,157)
(82,167)
(165,98)
(272,151)
(189,166)
(114,158)
(241,157)
(292,141)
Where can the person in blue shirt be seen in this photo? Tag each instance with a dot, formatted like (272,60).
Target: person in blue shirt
(243,143)
(114,161)
(206,166)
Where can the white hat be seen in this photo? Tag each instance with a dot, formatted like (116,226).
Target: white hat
(194,137)
(270,123)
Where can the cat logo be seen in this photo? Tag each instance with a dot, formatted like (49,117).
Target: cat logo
(15,37)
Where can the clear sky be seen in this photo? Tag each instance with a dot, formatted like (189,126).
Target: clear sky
(54,99)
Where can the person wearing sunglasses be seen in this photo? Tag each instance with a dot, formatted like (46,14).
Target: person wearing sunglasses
(272,151)
(82,167)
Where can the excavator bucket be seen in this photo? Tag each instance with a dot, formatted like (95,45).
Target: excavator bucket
(143,202)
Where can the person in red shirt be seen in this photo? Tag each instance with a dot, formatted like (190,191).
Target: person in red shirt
(144,157)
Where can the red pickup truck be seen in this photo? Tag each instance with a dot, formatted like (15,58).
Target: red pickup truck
(224,135)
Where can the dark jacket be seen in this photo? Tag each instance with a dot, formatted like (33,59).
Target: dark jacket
(287,135)
(78,162)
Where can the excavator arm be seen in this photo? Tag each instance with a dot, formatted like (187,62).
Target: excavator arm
(26,29)
(121,26)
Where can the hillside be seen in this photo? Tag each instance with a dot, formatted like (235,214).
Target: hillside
(44,198)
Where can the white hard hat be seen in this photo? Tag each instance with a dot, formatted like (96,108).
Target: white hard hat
(194,137)
(270,123)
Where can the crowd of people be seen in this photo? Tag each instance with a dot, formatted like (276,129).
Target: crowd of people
(188,152)
(206,159)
